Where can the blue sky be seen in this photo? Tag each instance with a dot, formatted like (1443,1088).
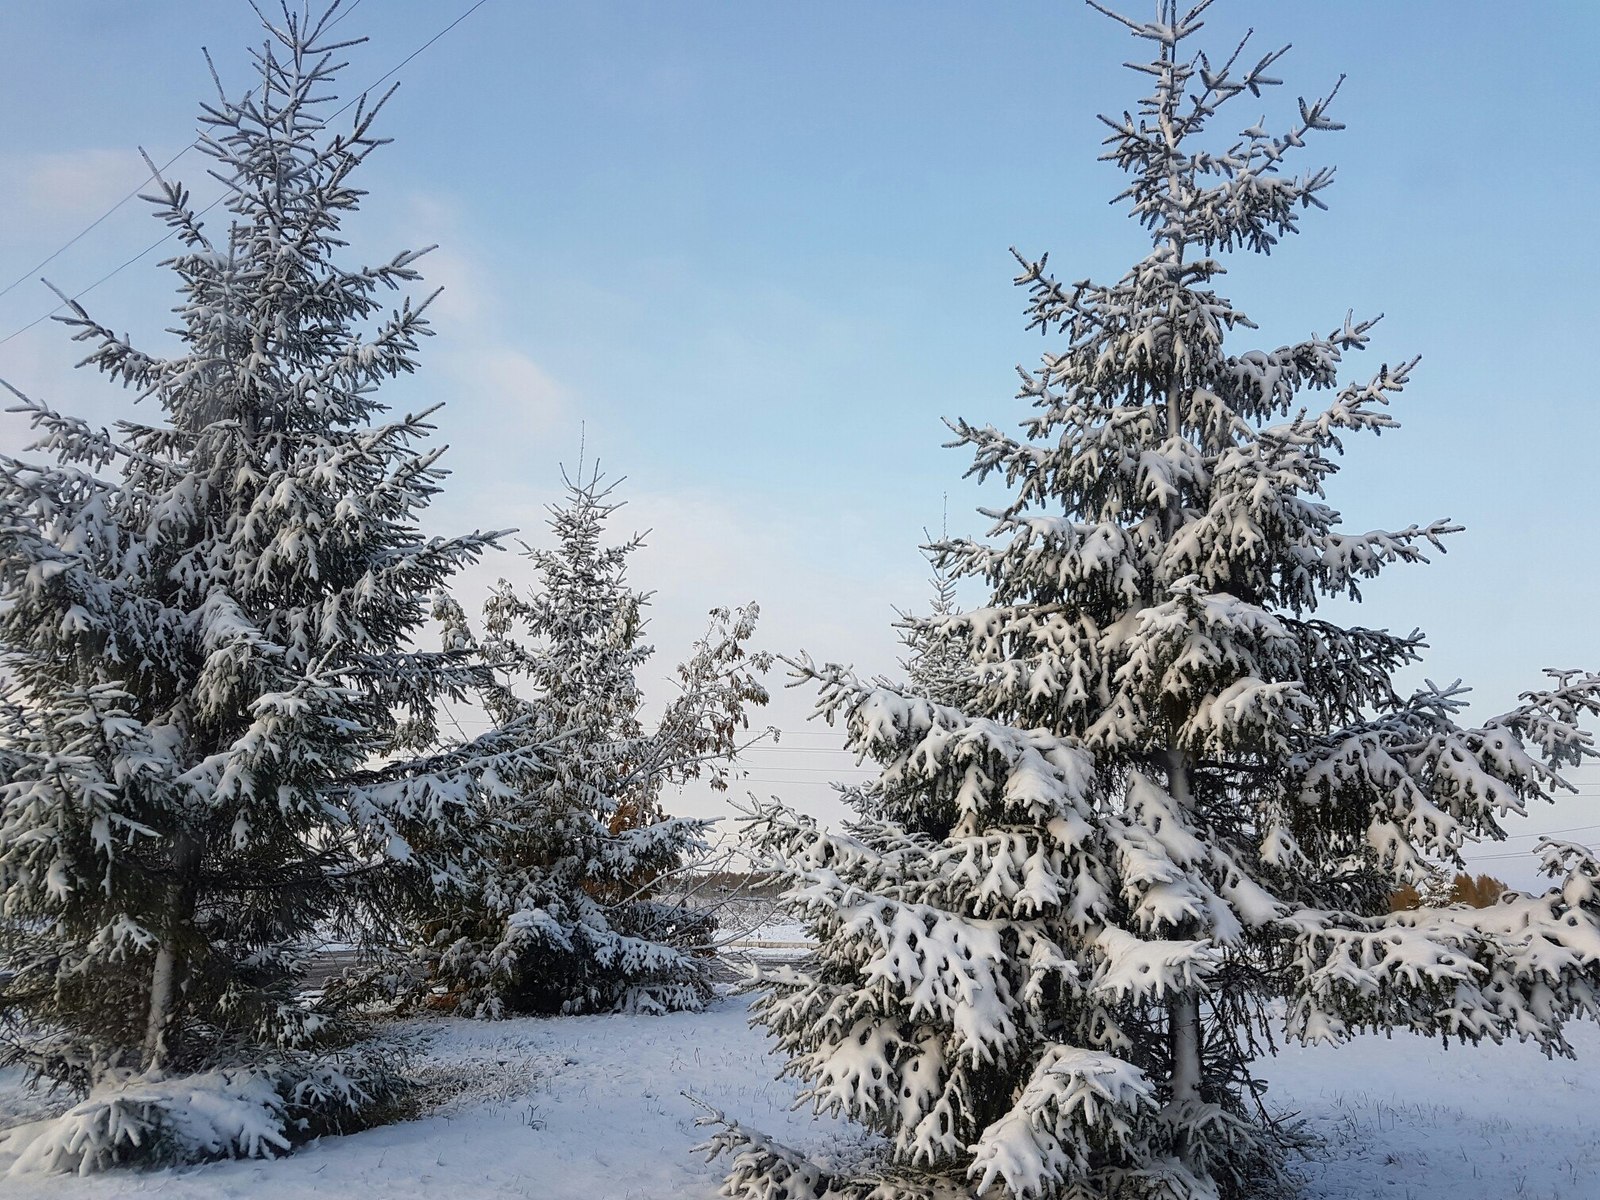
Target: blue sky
(757,251)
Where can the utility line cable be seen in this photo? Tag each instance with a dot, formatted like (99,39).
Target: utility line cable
(1550,832)
(89,228)
(156,174)
(166,236)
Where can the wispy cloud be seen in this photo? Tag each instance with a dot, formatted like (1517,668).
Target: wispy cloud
(74,184)
(506,386)
(492,381)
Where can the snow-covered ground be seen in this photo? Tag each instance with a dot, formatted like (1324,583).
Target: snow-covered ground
(589,1108)
(1405,1118)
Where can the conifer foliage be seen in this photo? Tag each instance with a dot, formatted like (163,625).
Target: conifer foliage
(1056,940)
(936,663)
(204,631)
(569,913)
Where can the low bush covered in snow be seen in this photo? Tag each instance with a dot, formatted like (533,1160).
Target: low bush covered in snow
(242,1112)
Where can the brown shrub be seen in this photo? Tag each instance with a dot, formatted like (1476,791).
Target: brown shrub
(1464,889)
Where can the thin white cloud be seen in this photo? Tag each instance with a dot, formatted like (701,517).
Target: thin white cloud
(493,383)
(513,425)
(74,184)
(462,297)
(505,388)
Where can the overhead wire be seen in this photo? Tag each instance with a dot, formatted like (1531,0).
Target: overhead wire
(126,263)
(1550,832)
(86,230)
(137,190)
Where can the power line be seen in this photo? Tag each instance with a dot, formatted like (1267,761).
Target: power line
(124,265)
(765,749)
(89,228)
(830,734)
(344,14)
(154,175)
(410,56)
(1551,832)
(1517,854)
(783,782)
(168,235)
(818,770)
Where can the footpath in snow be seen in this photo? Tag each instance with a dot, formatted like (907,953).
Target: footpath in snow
(589,1108)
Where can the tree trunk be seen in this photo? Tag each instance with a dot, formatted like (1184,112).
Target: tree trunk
(162,1032)
(1183,1011)
(1183,1008)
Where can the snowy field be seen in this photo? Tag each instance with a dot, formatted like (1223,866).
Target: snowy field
(590,1108)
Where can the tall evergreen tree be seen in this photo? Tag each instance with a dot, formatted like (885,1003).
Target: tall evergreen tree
(1178,796)
(205,624)
(567,915)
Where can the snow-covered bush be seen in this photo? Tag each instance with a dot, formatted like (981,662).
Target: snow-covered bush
(566,915)
(239,1112)
(208,696)
(188,1118)
(1174,800)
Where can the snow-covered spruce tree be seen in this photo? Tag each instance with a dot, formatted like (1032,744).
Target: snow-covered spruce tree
(936,668)
(936,662)
(208,691)
(1167,823)
(569,915)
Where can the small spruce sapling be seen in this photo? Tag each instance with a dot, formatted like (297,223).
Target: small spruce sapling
(570,913)
(936,662)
